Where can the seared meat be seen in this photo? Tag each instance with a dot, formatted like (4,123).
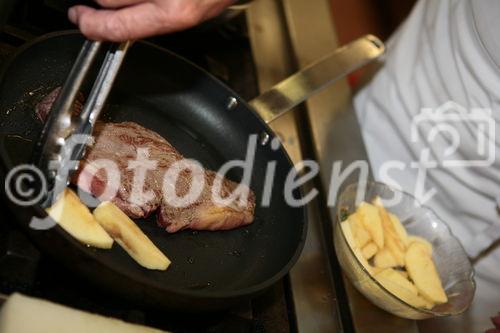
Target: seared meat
(203,214)
(120,142)
(42,109)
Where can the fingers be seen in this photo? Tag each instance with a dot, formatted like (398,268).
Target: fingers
(118,3)
(122,20)
(129,23)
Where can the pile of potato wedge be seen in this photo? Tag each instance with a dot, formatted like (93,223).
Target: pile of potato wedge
(104,226)
(400,262)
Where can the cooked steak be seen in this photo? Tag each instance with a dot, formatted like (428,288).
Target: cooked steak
(119,142)
(42,109)
(203,214)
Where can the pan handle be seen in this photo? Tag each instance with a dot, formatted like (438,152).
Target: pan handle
(294,90)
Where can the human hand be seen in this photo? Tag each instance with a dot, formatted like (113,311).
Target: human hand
(121,20)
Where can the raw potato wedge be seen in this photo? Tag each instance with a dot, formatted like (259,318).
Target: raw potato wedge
(360,234)
(423,272)
(346,229)
(369,250)
(424,303)
(384,259)
(397,227)
(389,230)
(397,250)
(420,240)
(77,220)
(400,229)
(371,220)
(396,284)
(391,238)
(130,237)
(397,278)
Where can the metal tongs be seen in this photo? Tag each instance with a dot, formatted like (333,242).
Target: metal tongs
(65,135)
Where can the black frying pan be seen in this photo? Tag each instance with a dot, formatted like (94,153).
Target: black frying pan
(187,106)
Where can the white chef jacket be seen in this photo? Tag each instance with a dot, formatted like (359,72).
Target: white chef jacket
(445,61)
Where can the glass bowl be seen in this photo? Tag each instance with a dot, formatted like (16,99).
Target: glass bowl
(452,263)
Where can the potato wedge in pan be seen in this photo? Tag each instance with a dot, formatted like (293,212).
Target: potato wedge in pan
(106,224)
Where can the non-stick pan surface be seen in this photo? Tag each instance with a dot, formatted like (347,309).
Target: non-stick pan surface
(188,107)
